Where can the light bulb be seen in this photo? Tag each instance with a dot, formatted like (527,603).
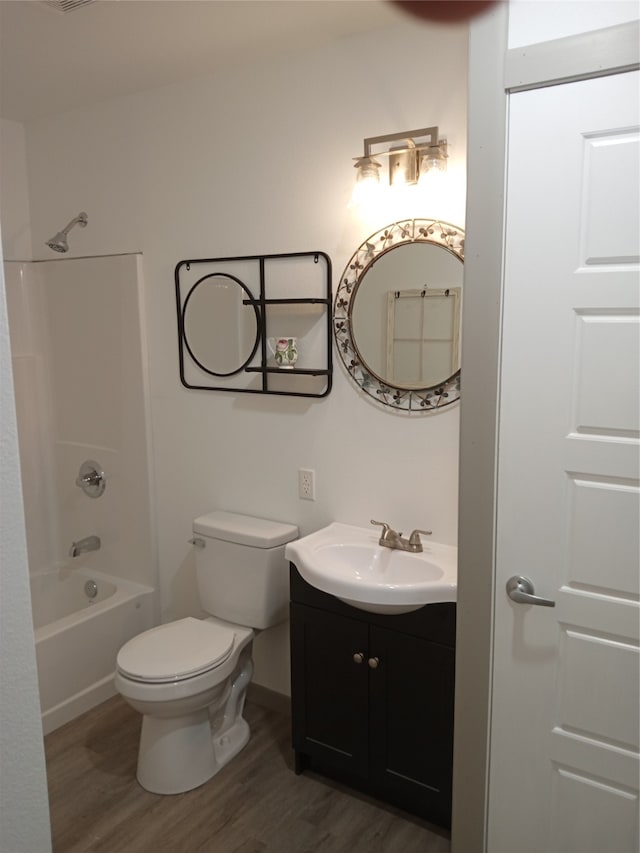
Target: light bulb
(367,180)
(434,161)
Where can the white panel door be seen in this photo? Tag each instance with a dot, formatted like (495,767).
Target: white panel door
(564,735)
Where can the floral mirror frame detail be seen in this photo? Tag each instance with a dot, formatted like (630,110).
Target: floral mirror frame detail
(427,399)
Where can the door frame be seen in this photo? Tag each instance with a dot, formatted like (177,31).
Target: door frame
(494,73)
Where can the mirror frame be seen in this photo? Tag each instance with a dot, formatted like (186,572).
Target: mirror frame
(443,234)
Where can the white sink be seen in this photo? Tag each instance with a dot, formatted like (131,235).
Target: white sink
(348,562)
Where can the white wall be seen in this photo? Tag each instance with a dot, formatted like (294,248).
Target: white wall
(260,160)
(26,309)
(14,192)
(536,21)
(24,808)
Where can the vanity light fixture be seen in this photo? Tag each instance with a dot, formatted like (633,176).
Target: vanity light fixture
(418,153)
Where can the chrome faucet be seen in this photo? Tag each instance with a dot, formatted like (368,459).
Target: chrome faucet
(89,543)
(390,538)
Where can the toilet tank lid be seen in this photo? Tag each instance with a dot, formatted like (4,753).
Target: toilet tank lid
(244,529)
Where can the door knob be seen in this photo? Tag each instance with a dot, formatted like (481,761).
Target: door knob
(373,662)
(358,657)
(521,590)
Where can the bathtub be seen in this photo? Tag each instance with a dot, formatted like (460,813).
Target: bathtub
(78,634)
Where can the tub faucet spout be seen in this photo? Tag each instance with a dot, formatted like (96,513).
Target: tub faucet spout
(89,543)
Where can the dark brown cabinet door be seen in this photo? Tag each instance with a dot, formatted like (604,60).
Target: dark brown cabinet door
(329,674)
(411,692)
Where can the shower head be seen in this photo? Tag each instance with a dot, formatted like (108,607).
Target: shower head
(59,241)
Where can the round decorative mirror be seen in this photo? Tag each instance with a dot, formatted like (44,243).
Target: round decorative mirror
(220,330)
(397,315)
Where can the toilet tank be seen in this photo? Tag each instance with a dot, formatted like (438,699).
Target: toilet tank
(241,570)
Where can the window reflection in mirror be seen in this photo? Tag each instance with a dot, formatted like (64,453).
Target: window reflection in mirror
(423,342)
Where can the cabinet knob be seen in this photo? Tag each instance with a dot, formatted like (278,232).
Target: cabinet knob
(358,657)
(373,662)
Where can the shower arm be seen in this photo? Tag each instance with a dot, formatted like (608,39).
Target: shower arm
(80,219)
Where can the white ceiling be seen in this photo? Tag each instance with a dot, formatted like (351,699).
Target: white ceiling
(52,62)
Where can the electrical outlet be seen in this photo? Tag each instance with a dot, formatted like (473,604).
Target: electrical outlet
(306,484)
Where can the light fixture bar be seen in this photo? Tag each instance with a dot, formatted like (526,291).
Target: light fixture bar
(420,151)
(431,132)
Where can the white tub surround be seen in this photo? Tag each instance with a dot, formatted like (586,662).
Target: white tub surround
(77,637)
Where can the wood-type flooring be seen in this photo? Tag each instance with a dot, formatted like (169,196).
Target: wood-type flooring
(256,804)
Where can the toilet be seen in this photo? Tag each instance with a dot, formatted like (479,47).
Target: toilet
(189,678)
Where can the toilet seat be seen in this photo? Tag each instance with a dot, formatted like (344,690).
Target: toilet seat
(176,651)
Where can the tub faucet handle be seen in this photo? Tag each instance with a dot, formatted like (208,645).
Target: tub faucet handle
(91,479)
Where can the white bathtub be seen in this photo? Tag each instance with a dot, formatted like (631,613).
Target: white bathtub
(77,638)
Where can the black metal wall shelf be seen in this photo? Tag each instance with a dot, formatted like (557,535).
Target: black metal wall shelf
(227,309)
(301,371)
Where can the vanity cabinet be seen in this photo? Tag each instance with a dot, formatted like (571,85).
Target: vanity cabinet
(372,698)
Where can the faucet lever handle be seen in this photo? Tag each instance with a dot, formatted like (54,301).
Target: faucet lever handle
(414,539)
(385,527)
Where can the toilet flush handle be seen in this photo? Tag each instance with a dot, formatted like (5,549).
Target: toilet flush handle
(197,541)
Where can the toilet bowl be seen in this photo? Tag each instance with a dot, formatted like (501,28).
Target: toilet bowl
(189,677)
(165,675)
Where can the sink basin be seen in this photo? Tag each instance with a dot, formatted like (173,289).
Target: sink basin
(348,562)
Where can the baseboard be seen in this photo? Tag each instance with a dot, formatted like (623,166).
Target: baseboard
(80,703)
(99,692)
(270,699)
